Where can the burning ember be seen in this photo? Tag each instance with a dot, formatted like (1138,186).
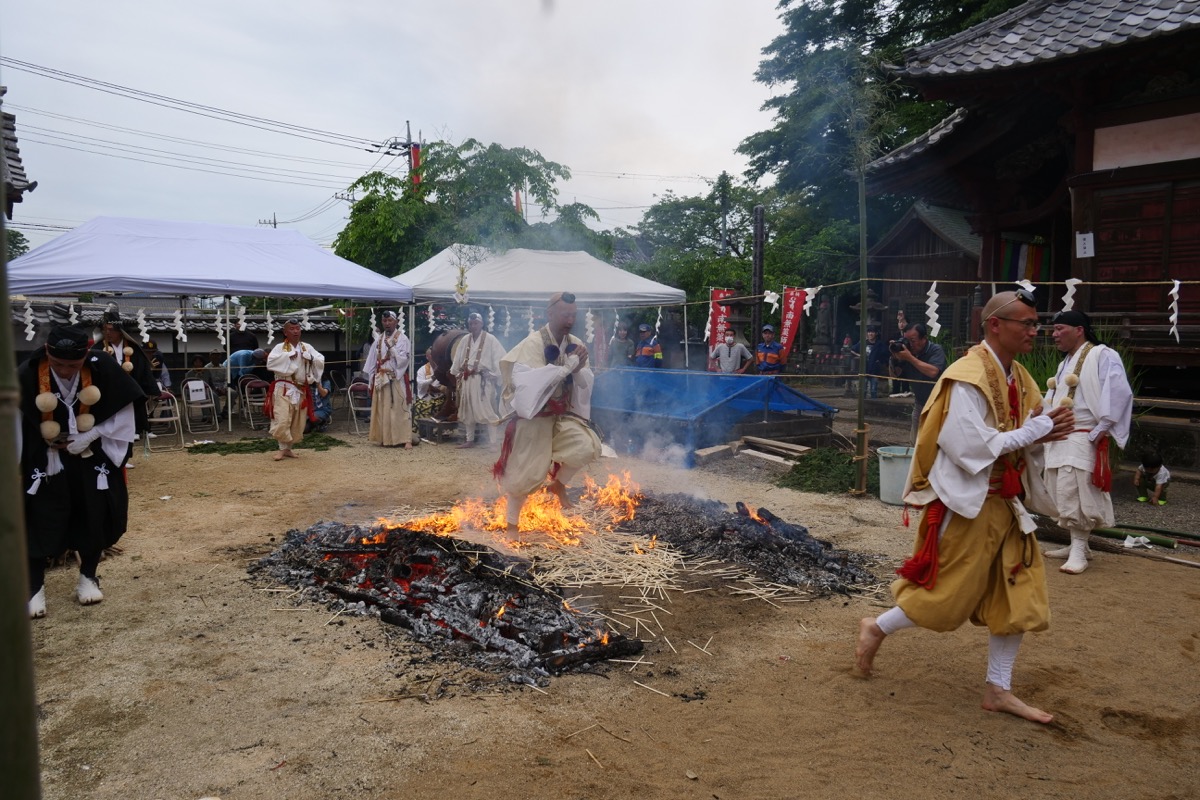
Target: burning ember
(445,590)
(600,506)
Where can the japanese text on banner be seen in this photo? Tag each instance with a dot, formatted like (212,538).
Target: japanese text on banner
(793,318)
(718,315)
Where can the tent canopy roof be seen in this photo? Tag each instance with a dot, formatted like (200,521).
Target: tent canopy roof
(119,254)
(520,277)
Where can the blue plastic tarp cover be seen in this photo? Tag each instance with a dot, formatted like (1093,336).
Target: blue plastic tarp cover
(688,396)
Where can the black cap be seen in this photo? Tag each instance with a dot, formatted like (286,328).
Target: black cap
(67,342)
(1077,319)
(643,327)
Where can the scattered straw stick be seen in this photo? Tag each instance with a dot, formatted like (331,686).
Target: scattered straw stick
(698,647)
(282,589)
(610,733)
(706,644)
(701,589)
(581,730)
(537,688)
(335,616)
(651,688)
(668,641)
(639,662)
(589,752)
(656,622)
(627,661)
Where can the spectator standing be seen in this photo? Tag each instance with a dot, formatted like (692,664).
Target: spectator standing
(769,353)
(919,361)
(621,348)
(731,356)
(877,360)
(648,353)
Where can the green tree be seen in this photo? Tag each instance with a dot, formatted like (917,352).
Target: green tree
(18,245)
(465,195)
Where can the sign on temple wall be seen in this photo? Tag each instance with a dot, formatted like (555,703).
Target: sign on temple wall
(1151,142)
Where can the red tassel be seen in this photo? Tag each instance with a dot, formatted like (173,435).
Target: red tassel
(505,450)
(905,517)
(1010,482)
(922,568)
(1102,472)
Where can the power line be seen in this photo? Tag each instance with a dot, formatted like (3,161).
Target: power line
(199,109)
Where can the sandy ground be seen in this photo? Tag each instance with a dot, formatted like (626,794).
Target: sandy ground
(190,681)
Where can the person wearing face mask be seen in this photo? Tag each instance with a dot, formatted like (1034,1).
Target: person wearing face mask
(731,357)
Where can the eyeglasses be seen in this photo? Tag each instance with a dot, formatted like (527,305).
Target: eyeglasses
(1028,324)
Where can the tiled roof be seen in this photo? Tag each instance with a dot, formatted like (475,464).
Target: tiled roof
(158,321)
(952,225)
(1044,30)
(920,144)
(12,171)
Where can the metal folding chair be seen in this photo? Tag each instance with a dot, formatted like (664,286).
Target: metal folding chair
(165,424)
(358,399)
(199,407)
(254,394)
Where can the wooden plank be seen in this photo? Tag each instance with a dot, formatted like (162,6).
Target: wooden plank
(708,455)
(771,458)
(776,444)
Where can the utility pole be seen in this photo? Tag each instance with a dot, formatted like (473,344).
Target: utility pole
(723,199)
(756,278)
(273,222)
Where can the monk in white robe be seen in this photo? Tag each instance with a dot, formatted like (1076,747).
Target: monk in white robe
(476,369)
(548,387)
(1091,381)
(296,366)
(391,392)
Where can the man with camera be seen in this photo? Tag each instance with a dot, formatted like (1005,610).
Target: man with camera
(920,362)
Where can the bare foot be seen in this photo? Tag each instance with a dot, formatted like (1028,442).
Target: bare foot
(870,636)
(997,699)
(278,455)
(408,445)
(558,490)
(289,453)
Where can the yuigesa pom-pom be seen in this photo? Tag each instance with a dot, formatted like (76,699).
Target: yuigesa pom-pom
(89,395)
(1052,383)
(85,422)
(50,430)
(1067,402)
(1072,380)
(45,402)
(128,352)
(127,366)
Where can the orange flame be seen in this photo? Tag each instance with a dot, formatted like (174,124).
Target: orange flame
(542,512)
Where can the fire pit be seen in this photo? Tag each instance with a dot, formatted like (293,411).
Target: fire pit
(453,579)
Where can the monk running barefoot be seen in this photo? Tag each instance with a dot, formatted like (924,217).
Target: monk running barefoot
(978,456)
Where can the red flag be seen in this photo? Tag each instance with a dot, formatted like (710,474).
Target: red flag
(414,163)
(517,202)
(793,308)
(718,316)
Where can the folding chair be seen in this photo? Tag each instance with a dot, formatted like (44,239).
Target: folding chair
(358,399)
(199,407)
(165,424)
(254,394)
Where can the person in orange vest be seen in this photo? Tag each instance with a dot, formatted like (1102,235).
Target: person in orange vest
(769,354)
(648,352)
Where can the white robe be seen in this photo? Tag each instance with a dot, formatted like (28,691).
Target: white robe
(476,367)
(386,367)
(302,366)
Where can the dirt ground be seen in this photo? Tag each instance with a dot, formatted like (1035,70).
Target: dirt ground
(191,681)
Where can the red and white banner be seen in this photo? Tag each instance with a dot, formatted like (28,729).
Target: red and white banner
(793,318)
(718,316)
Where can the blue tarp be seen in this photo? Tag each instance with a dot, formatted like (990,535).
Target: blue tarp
(695,409)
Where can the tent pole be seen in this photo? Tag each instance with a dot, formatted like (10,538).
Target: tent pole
(686,363)
(228,405)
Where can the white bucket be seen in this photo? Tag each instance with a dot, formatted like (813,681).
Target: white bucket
(893,472)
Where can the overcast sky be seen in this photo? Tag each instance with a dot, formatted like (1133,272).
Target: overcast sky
(634,96)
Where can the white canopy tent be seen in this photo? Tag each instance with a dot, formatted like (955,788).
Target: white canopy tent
(119,254)
(524,277)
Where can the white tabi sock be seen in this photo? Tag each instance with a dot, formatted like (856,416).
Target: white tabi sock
(1002,654)
(894,619)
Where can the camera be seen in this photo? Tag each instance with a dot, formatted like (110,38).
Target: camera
(898,346)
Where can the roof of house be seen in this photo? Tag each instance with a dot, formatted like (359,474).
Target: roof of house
(1044,30)
(951,224)
(12,171)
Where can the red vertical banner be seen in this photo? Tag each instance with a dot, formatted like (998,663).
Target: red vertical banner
(793,318)
(718,316)
(414,163)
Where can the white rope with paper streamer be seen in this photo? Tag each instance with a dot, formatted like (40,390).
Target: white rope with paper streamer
(179,334)
(30,328)
(1069,295)
(72,315)
(589,327)
(400,319)
(374,325)
(530,313)
(241,318)
(658,322)
(428,315)
(142,328)
(931,310)
(305,325)
(491,319)
(507,322)
(270,329)
(1174,306)
(220,330)
(809,295)
(773,299)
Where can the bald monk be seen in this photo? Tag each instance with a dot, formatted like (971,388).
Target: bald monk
(979,452)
